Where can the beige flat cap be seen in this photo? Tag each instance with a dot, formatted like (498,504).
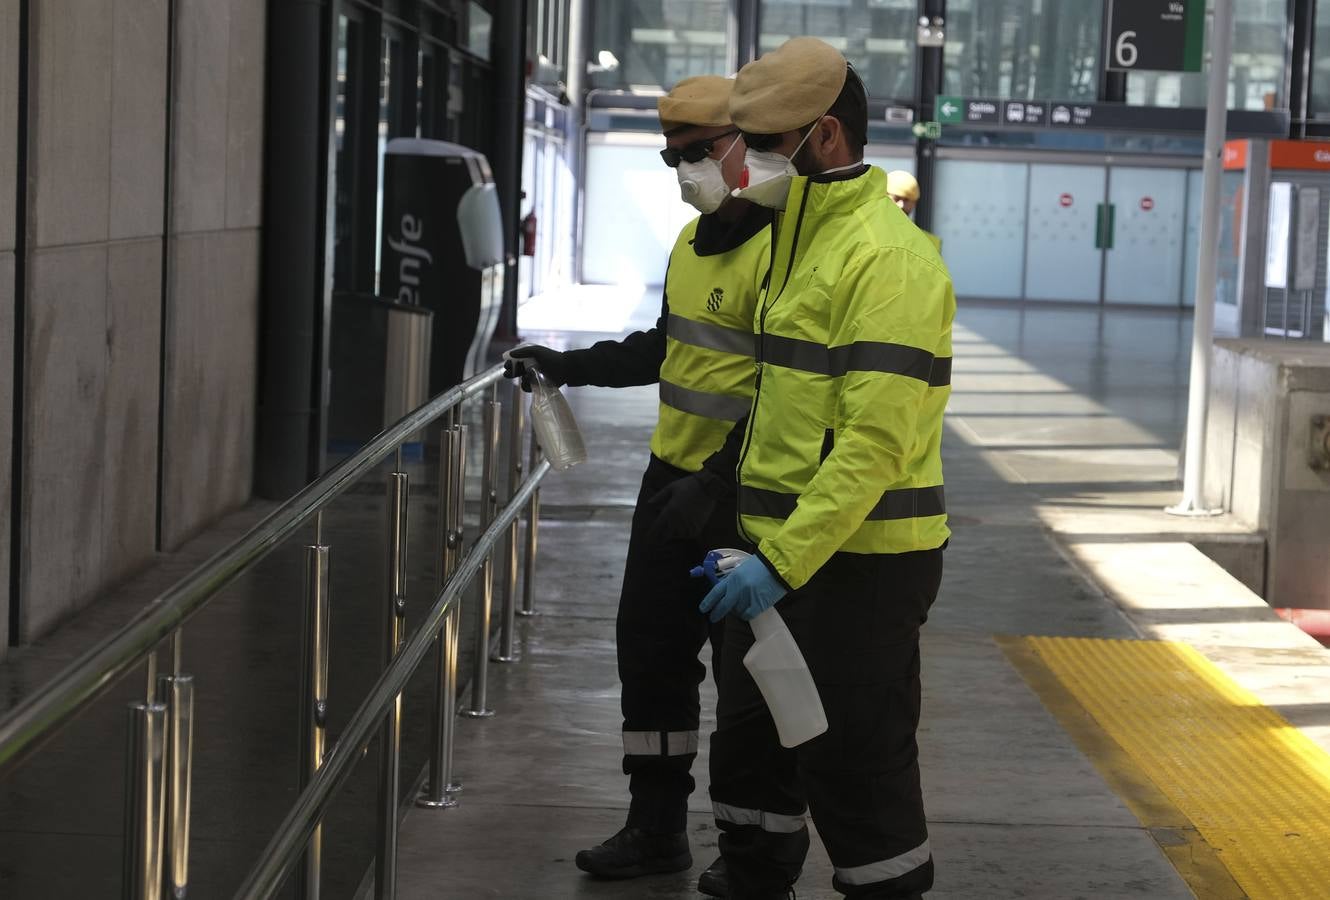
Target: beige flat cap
(901,183)
(788,88)
(700,100)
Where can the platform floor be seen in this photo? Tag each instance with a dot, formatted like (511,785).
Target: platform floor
(1015,808)
(1061,451)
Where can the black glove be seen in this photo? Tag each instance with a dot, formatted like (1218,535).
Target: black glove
(550,362)
(684,506)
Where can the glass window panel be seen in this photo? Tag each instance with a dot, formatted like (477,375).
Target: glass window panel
(659,42)
(427,94)
(389,126)
(1256,76)
(345,123)
(876,36)
(1024,49)
(1319,102)
(980,214)
(479,25)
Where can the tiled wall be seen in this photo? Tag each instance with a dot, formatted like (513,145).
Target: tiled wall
(124,357)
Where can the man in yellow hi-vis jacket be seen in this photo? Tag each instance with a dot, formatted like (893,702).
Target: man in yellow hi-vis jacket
(903,189)
(701,353)
(840,487)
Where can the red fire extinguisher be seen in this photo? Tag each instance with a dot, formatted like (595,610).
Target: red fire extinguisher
(529,234)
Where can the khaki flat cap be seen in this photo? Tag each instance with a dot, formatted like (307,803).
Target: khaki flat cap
(901,183)
(788,88)
(700,100)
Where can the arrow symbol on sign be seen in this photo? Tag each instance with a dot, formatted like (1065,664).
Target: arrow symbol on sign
(949,108)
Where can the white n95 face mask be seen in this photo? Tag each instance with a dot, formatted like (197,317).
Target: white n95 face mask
(702,184)
(767,176)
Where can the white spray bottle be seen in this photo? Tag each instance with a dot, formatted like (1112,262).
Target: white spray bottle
(777,666)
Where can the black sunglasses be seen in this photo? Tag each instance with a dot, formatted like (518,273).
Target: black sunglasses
(762,143)
(694,152)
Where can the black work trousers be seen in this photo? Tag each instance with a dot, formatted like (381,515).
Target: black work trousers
(857,623)
(660,634)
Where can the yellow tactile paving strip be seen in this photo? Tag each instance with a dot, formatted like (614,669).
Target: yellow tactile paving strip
(1256,788)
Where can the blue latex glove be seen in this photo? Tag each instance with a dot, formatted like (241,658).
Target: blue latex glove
(748,590)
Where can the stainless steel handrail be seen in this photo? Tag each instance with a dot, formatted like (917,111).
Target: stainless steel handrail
(292,835)
(87,677)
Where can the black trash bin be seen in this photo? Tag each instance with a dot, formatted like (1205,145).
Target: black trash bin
(380,367)
(443,249)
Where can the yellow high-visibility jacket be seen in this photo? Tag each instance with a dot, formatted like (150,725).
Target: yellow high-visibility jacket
(706,378)
(843,446)
(701,348)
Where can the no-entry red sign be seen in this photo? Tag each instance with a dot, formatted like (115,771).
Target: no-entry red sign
(1065,200)
(1147,203)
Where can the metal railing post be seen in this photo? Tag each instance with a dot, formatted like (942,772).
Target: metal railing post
(479,708)
(532,526)
(508,624)
(176,693)
(453,631)
(390,743)
(439,786)
(144,802)
(313,703)
(280,855)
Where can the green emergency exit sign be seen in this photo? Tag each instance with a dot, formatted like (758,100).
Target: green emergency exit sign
(931,131)
(1155,35)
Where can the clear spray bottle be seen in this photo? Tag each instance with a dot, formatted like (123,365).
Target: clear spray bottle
(552,419)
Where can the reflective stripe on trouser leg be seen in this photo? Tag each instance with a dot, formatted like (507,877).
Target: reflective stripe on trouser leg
(776,823)
(885,869)
(659,634)
(755,792)
(660,743)
(862,780)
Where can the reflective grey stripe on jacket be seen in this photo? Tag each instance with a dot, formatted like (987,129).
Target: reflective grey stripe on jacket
(907,503)
(700,403)
(659,743)
(767,821)
(886,869)
(861,356)
(740,342)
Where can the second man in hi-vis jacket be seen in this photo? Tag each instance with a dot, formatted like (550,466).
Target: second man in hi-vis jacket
(839,484)
(701,353)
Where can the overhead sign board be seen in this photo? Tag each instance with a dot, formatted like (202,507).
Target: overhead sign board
(1025,115)
(1156,35)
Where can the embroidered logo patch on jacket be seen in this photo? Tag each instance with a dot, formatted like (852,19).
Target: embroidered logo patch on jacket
(713,302)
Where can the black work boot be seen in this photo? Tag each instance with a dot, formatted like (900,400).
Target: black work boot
(715,879)
(633,852)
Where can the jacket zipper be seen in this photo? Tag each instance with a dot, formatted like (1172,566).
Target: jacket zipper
(762,333)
